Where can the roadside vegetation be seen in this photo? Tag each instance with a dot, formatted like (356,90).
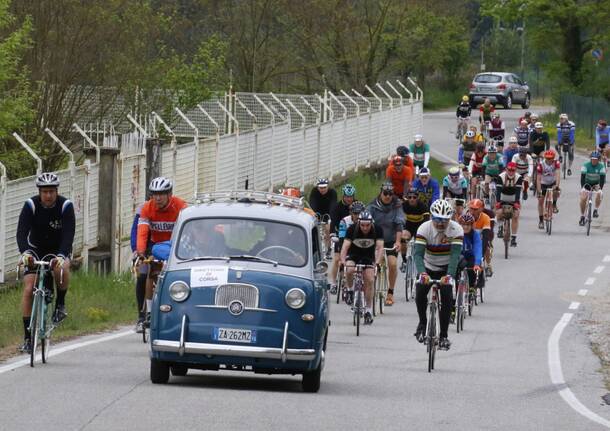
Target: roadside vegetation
(583,141)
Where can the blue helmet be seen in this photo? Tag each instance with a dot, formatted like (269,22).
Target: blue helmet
(349,190)
(402,151)
(595,155)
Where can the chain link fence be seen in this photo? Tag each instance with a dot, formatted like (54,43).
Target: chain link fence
(585,111)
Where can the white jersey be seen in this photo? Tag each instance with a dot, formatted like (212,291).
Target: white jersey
(524,166)
(438,243)
(546,172)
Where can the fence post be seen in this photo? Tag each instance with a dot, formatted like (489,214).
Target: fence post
(357,127)
(266,108)
(196,158)
(234,120)
(378,128)
(3,192)
(328,109)
(71,164)
(303,121)
(343,140)
(420,93)
(369,111)
(255,127)
(86,214)
(395,91)
(407,90)
(89,141)
(31,152)
(157,117)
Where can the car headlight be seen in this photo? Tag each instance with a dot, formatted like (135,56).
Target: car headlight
(179,291)
(295,298)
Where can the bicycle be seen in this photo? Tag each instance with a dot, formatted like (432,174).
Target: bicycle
(461,300)
(432,337)
(547,210)
(474,290)
(150,261)
(340,282)
(534,173)
(462,128)
(40,329)
(381,283)
(358,306)
(507,215)
(324,221)
(564,148)
(589,206)
(410,271)
(492,194)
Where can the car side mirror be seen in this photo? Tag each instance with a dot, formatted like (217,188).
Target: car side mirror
(321,267)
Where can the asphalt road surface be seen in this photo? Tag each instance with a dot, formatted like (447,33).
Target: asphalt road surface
(500,374)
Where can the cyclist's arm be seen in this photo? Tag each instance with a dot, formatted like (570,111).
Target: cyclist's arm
(597,138)
(471,166)
(378,251)
(346,245)
(134,232)
(26,217)
(461,154)
(530,166)
(418,253)
(583,175)
(456,252)
(572,134)
(68,229)
(477,248)
(426,155)
(435,190)
(143,231)
(602,180)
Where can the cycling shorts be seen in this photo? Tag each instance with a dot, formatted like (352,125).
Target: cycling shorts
(390,252)
(359,260)
(545,187)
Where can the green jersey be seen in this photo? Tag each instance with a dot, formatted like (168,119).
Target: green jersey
(592,173)
(493,167)
(419,154)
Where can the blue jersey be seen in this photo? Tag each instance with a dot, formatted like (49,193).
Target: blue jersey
(428,193)
(509,153)
(567,131)
(134,229)
(472,248)
(602,136)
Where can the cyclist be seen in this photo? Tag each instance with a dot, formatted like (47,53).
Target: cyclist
(363,245)
(156,224)
(566,132)
(339,212)
(485,112)
(484,221)
(602,138)
(454,184)
(592,175)
(511,150)
(421,153)
(525,168)
(322,200)
(463,115)
(522,132)
(478,137)
(527,117)
(497,130)
(399,175)
(467,147)
(387,213)
(475,167)
(472,249)
(427,187)
(508,191)
(548,178)
(493,166)
(438,246)
(46,226)
(416,212)
(354,211)
(141,271)
(539,140)
(532,122)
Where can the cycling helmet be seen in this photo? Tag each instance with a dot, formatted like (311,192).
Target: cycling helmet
(292,192)
(356,207)
(424,172)
(465,99)
(522,150)
(513,140)
(402,151)
(365,216)
(349,190)
(563,116)
(595,155)
(492,149)
(47,179)
(441,208)
(466,218)
(476,204)
(470,134)
(418,138)
(511,166)
(322,182)
(602,123)
(454,171)
(527,114)
(533,116)
(387,186)
(160,185)
(412,192)
(538,125)
(480,147)
(397,160)
(495,115)
(549,154)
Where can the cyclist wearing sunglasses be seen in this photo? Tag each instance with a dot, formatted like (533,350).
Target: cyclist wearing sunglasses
(454,184)
(427,187)
(509,184)
(354,211)
(387,213)
(438,246)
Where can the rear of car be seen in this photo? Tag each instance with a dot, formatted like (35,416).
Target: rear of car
(500,88)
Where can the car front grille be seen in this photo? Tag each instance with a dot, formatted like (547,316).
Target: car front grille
(247,294)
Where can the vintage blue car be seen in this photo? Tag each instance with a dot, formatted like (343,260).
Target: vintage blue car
(244,288)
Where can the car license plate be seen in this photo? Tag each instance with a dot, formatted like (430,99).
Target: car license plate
(235,335)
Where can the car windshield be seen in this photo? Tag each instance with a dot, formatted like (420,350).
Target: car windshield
(487,79)
(243,239)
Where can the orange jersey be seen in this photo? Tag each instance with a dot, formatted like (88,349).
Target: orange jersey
(398,178)
(158,223)
(482,223)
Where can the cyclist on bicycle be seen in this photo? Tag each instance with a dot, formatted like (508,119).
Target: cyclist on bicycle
(416,212)
(387,213)
(522,133)
(548,178)
(602,138)
(340,211)
(511,150)
(566,132)
(508,191)
(527,117)
(467,147)
(532,122)
(426,186)
(475,167)
(539,139)
(399,175)
(493,166)
(141,270)
(403,152)
(438,246)
(484,221)
(363,245)
(485,112)
(463,115)
(525,168)
(592,176)
(156,224)
(454,184)
(421,153)
(497,130)
(322,200)
(472,249)
(354,211)
(46,226)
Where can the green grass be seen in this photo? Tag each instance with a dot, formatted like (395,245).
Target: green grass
(583,141)
(94,303)
(436,98)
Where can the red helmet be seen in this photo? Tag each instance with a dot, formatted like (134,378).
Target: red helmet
(511,166)
(476,204)
(549,154)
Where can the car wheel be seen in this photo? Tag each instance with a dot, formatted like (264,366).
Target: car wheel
(526,102)
(508,103)
(159,371)
(311,379)
(179,370)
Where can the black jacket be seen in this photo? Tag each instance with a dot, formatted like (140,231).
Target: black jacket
(323,204)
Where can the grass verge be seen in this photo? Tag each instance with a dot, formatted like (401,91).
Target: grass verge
(435,98)
(94,303)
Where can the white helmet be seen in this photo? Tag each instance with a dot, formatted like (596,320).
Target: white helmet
(418,138)
(470,134)
(563,117)
(441,208)
(160,185)
(538,125)
(47,179)
(513,139)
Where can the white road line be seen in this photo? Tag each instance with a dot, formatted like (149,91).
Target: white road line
(606,258)
(599,269)
(589,281)
(582,292)
(574,305)
(557,374)
(67,348)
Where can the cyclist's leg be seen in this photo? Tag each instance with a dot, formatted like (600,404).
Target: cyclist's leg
(335,266)
(369,280)
(392,270)
(421,302)
(29,279)
(349,274)
(142,271)
(598,198)
(62,280)
(515,224)
(445,314)
(570,155)
(541,202)
(583,201)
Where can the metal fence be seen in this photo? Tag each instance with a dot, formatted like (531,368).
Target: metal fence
(585,111)
(241,141)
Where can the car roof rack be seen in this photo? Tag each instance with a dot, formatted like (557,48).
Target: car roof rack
(251,197)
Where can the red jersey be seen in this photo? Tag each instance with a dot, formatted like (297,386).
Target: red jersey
(477,163)
(159,223)
(398,178)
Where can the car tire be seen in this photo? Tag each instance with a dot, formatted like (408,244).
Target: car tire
(179,370)
(159,371)
(526,102)
(508,102)
(311,380)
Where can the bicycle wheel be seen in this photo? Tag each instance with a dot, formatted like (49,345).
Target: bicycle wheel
(358,311)
(458,312)
(431,338)
(45,331)
(589,216)
(407,277)
(375,290)
(339,284)
(34,333)
(471,300)
(506,237)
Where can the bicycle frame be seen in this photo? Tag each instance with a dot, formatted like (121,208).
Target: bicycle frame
(507,215)
(433,326)
(548,209)
(359,296)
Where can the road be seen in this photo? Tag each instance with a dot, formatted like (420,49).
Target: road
(495,377)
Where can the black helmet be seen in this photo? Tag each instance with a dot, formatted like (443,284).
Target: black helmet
(402,151)
(356,207)
(387,186)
